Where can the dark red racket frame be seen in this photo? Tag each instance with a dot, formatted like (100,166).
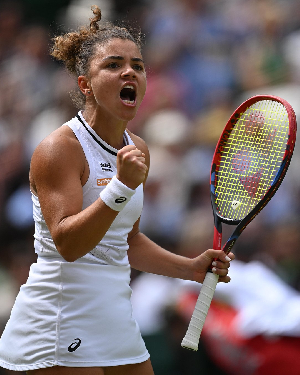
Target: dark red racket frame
(241,224)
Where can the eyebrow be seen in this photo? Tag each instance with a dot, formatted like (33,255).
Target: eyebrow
(122,58)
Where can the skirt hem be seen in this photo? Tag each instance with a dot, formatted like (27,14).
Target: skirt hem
(36,366)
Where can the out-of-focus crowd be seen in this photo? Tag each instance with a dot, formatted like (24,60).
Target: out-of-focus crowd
(203,59)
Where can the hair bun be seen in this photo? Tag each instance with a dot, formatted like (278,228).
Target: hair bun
(94,27)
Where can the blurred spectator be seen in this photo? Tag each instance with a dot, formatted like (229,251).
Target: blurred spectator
(165,133)
(197,55)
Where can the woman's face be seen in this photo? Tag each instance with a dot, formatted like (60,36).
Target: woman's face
(117,78)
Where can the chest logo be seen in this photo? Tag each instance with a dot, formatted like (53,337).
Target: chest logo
(106,167)
(103,181)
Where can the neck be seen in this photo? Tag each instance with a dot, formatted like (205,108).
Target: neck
(111,130)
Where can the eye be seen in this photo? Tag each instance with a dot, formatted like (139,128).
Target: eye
(138,67)
(113,65)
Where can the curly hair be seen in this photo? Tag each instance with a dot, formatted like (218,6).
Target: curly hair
(75,49)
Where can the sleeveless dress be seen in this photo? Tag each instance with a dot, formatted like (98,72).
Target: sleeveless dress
(78,314)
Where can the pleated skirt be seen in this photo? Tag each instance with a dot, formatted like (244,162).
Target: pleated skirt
(72,314)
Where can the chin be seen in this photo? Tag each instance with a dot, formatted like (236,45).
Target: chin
(129,115)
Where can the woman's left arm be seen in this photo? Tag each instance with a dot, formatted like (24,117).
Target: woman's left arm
(145,255)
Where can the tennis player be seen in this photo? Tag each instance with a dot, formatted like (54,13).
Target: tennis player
(73,315)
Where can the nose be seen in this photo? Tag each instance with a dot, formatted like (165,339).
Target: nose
(128,72)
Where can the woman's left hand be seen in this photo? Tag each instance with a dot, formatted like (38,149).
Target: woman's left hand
(220,265)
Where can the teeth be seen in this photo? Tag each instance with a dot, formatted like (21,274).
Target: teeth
(128,87)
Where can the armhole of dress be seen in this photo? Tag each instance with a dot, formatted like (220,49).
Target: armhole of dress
(127,139)
(86,153)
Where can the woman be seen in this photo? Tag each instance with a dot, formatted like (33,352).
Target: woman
(73,316)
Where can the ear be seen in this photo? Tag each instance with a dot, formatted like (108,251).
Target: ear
(84,85)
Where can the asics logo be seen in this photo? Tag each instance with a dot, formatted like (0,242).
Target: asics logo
(75,345)
(120,200)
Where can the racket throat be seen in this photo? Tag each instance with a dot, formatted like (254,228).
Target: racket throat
(217,243)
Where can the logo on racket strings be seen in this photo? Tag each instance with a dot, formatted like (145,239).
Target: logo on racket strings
(246,165)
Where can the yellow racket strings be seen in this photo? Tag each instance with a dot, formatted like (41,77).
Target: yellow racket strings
(251,158)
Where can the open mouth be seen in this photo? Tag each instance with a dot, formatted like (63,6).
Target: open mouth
(128,94)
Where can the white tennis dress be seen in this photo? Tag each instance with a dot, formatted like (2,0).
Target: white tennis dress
(78,314)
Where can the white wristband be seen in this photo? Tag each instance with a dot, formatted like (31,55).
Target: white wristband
(116,195)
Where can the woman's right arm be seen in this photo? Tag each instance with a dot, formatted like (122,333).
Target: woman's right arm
(56,171)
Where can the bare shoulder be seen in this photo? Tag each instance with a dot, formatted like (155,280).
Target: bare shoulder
(58,151)
(59,143)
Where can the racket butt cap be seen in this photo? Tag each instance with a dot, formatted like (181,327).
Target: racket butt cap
(187,344)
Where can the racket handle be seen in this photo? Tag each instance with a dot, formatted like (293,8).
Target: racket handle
(192,336)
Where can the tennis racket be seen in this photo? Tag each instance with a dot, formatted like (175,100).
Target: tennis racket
(248,166)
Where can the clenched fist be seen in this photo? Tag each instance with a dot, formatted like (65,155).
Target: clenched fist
(131,166)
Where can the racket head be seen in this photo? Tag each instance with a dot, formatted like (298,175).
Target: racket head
(251,158)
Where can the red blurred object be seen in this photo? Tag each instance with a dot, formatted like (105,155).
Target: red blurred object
(247,356)
(238,355)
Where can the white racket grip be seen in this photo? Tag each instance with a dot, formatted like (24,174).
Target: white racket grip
(192,336)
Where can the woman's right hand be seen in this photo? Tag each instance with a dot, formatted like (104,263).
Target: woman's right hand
(131,166)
